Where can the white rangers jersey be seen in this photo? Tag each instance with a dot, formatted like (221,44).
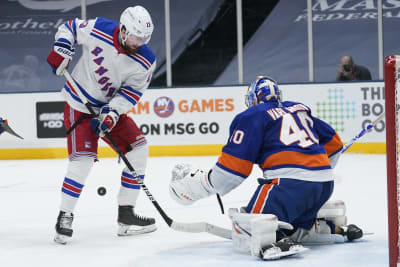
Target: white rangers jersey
(105,73)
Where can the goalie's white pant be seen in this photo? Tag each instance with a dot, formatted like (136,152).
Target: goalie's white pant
(79,169)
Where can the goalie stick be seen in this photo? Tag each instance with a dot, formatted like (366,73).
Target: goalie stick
(364,131)
(197,227)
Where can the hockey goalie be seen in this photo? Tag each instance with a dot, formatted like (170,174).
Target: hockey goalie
(296,153)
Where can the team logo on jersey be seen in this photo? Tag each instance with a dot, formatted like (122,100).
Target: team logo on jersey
(164,106)
(88,144)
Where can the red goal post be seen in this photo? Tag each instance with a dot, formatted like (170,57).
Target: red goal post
(392,96)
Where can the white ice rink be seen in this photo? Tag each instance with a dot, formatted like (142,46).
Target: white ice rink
(29,204)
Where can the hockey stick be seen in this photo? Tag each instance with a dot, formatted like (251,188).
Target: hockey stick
(366,130)
(198,227)
(363,132)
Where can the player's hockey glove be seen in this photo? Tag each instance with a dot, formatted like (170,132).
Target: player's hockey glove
(106,121)
(189,184)
(61,55)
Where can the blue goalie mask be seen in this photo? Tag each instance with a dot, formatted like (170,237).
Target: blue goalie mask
(262,90)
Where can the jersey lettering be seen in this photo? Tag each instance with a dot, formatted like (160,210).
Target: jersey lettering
(237,137)
(276,113)
(98,60)
(97,51)
(103,80)
(292,133)
(101,71)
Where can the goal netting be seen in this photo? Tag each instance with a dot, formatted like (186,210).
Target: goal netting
(392,97)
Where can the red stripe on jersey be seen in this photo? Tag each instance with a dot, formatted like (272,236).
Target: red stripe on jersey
(115,40)
(143,60)
(103,35)
(129,93)
(235,164)
(72,89)
(334,145)
(297,158)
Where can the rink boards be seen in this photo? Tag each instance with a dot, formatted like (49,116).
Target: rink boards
(192,121)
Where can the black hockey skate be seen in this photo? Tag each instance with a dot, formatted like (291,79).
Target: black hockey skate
(283,248)
(132,224)
(64,227)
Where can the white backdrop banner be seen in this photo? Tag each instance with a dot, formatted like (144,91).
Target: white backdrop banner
(202,115)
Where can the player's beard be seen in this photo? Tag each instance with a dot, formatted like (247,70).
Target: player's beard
(130,50)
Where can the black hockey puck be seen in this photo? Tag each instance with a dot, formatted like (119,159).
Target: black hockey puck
(101,191)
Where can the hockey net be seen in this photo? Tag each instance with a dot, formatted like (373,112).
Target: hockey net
(392,97)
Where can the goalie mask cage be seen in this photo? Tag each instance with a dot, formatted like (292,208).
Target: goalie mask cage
(392,96)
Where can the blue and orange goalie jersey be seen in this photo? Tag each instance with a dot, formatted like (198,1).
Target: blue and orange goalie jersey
(285,141)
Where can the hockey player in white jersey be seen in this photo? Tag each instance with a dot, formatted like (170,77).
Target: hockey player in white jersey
(113,72)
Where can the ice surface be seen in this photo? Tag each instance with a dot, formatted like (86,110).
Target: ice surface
(30,196)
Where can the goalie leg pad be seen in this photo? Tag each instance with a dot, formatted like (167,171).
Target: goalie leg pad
(334,211)
(283,248)
(252,231)
(319,234)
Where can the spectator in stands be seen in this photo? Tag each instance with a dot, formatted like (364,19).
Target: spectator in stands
(349,71)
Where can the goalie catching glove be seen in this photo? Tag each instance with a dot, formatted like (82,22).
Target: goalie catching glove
(189,184)
(61,55)
(108,118)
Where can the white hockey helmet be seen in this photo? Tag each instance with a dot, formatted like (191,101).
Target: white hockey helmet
(137,21)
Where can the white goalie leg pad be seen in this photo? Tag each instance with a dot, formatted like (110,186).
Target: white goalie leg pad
(334,211)
(319,234)
(252,231)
